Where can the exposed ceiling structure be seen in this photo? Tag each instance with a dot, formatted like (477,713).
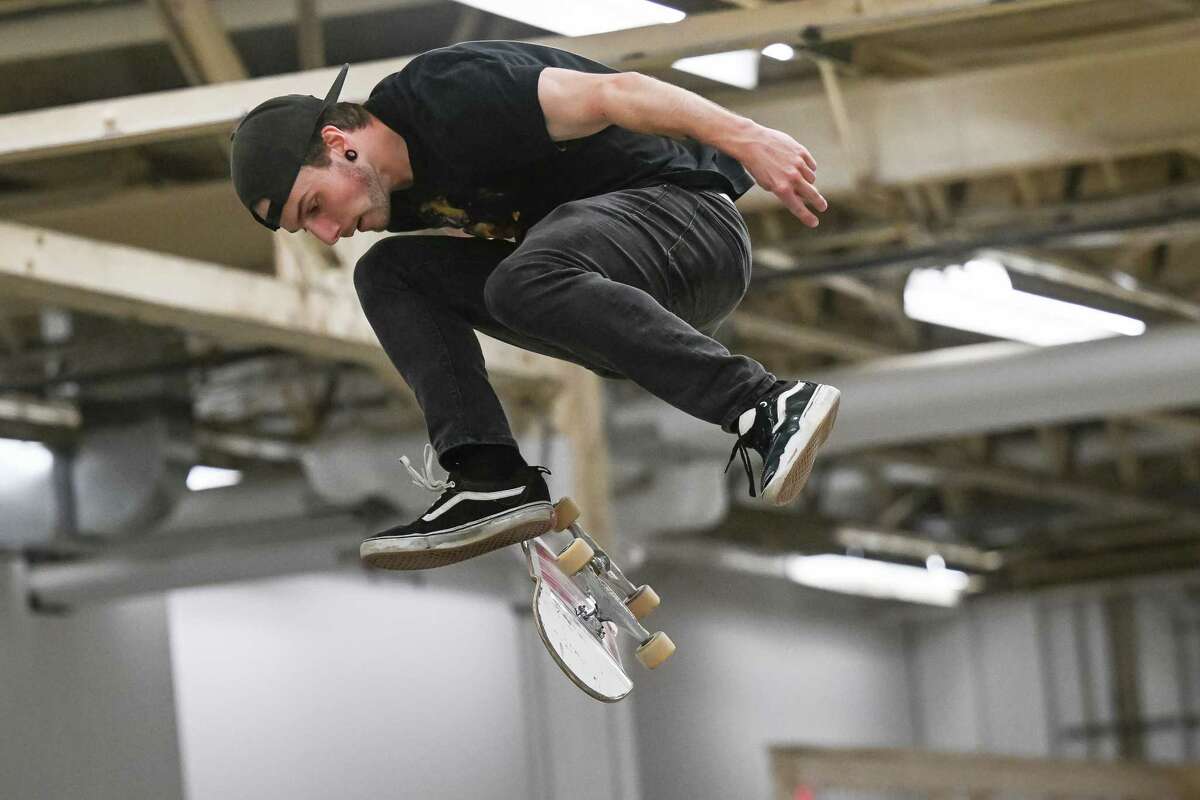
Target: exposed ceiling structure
(1057,137)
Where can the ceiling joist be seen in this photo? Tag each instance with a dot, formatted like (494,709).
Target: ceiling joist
(225,303)
(999,120)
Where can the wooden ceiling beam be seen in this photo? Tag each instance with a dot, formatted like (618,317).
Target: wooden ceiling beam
(322,320)
(990,121)
(200,42)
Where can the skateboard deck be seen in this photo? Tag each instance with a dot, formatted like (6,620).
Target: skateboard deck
(582,604)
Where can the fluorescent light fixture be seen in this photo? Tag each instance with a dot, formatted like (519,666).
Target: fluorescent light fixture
(978,296)
(22,461)
(779,51)
(882,579)
(737,67)
(580,17)
(201,478)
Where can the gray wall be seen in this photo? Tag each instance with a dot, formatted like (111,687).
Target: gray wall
(329,685)
(761,662)
(979,680)
(336,686)
(1022,674)
(86,702)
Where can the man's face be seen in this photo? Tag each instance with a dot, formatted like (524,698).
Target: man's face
(335,201)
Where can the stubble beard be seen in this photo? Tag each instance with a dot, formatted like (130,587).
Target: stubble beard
(378,199)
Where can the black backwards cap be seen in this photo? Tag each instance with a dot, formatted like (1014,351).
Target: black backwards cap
(269,145)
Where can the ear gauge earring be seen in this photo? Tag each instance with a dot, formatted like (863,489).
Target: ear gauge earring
(351,155)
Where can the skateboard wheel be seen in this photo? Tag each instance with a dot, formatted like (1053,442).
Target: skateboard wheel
(565,514)
(655,650)
(575,557)
(642,601)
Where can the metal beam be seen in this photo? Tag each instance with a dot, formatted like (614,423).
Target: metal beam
(323,319)
(765,534)
(918,548)
(806,339)
(927,469)
(1079,278)
(1175,423)
(1136,561)
(1167,212)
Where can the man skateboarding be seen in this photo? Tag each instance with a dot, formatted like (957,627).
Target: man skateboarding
(604,233)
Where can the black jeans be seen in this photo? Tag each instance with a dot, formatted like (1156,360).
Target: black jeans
(628,284)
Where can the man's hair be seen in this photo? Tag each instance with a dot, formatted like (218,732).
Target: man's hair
(348,117)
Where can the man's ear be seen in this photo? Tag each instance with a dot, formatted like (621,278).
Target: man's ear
(335,139)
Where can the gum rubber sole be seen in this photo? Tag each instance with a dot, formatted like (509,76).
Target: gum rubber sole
(795,476)
(432,558)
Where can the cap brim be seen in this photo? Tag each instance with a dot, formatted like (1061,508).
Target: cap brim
(332,96)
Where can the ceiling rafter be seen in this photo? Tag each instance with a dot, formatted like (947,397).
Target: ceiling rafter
(899,148)
(322,320)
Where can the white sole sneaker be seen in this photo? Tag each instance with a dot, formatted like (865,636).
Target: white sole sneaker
(801,450)
(427,551)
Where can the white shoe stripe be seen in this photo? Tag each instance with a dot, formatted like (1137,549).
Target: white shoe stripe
(746,420)
(458,498)
(819,407)
(781,403)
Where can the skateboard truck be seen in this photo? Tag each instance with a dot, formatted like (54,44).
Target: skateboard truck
(582,602)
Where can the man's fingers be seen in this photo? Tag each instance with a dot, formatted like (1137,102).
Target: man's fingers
(808,159)
(797,207)
(811,196)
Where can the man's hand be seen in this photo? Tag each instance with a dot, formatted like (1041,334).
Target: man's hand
(785,168)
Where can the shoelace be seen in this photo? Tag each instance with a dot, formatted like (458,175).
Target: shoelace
(740,447)
(427,480)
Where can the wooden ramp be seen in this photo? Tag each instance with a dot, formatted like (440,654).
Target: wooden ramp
(806,771)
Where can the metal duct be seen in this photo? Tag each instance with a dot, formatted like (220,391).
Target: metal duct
(663,461)
(967,390)
(120,478)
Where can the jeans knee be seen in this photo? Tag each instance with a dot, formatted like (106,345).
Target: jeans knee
(529,280)
(388,264)
(502,293)
(369,268)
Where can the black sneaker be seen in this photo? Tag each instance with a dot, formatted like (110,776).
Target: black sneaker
(470,518)
(786,427)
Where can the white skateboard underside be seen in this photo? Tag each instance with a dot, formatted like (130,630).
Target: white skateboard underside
(593,664)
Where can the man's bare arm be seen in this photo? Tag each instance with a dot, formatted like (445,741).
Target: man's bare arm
(578,104)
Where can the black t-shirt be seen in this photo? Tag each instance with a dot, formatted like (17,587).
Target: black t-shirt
(483,161)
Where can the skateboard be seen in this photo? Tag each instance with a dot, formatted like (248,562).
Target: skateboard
(582,603)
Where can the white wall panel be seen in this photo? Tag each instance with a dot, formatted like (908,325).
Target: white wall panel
(327,686)
(86,705)
(760,662)
(944,677)
(986,678)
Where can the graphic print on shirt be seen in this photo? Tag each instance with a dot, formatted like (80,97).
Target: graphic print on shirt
(488,214)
